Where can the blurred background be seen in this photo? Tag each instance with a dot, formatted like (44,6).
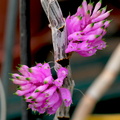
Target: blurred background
(84,69)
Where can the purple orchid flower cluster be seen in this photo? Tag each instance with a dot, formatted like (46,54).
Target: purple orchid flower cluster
(40,90)
(86,28)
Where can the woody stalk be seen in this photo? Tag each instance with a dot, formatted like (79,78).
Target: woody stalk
(59,39)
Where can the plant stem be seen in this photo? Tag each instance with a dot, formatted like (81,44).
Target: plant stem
(59,39)
(25,46)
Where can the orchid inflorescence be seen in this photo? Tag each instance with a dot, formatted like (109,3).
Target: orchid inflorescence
(40,90)
(86,28)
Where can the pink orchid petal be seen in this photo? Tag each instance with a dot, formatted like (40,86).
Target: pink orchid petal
(53,99)
(84,4)
(101,17)
(24,70)
(107,23)
(97,25)
(66,96)
(41,88)
(19,82)
(48,80)
(59,82)
(87,53)
(75,36)
(25,87)
(55,107)
(34,95)
(104,10)
(97,6)
(37,105)
(49,92)
(20,92)
(41,110)
(40,98)
(80,11)
(90,7)
(62,72)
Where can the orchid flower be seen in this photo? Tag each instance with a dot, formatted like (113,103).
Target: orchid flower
(86,28)
(40,90)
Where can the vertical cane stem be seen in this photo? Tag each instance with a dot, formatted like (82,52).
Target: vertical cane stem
(25,45)
(59,39)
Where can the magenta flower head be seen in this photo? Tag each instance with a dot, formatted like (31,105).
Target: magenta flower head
(86,29)
(40,90)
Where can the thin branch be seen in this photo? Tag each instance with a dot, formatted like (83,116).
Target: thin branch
(25,46)
(99,87)
(25,31)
